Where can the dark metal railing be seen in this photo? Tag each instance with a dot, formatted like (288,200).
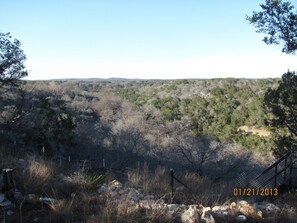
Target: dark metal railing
(287,159)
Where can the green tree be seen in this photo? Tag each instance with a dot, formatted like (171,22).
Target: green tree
(55,126)
(279,22)
(12,60)
(282,102)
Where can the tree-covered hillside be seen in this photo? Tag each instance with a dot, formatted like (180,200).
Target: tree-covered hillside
(217,107)
(130,121)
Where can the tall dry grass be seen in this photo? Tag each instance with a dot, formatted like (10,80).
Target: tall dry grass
(38,176)
(197,189)
(151,182)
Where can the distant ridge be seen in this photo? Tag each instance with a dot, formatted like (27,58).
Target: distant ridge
(121,79)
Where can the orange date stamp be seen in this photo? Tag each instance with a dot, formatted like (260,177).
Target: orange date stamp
(249,192)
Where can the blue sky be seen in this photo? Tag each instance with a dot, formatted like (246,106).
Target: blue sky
(141,39)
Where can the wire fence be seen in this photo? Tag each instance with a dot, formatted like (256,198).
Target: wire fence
(88,165)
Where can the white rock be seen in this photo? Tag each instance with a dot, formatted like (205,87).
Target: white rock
(267,208)
(47,200)
(115,185)
(241,218)
(134,195)
(242,202)
(246,209)
(221,211)
(147,204)
(172,208)
(233,206)
(207,216)
(220,208)
(157,206)
(190,215)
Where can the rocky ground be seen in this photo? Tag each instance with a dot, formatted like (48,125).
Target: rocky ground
(241,211)
(113,198)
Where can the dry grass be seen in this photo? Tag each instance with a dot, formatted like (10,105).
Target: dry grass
(151,182)
(254,130)
(201,190)
(61,211)
(38,176)
(288,203)
(78,201)
(198,190)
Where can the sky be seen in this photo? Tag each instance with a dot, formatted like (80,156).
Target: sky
(147,39)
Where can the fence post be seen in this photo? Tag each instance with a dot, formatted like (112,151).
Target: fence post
(43,151)
(172,182)
(69,162)
(103,163)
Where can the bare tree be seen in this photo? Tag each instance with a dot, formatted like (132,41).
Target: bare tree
(217,160)
(196,151)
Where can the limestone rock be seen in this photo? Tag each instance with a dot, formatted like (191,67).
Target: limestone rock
(233,206)
(134,194)
(267,209)
(190,215)
(173,209)
(114,185)
(206,216)
(146,204)
(221,211)
(129,200)
(247,209)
